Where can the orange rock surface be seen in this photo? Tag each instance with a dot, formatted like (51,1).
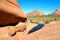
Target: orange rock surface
(50,31)
(10,13)
(17,32)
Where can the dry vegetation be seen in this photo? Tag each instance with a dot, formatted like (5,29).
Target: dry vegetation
(43,19)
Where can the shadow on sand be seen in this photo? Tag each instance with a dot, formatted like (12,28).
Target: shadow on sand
(39,26)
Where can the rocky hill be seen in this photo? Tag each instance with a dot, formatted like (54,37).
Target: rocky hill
(35,13)
(56,12)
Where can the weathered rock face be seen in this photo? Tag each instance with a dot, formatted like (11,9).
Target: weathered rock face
(57,12)
(35,13)
(13,32)
(10,13)
(49,32)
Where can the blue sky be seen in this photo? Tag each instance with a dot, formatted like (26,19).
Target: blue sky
(46,6)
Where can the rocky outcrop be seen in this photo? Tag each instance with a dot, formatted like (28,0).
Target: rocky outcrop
(35,13)
(11,21)
(13,32)
(10,13)
(57,12)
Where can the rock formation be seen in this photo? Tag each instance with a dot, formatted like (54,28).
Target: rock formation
(35,13)
(57,12)
(11,20)
(10,13)
(13,32)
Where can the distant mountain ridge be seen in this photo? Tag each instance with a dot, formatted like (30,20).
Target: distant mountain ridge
(35,13)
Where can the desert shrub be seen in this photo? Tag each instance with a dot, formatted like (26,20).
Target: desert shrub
(43,19)
(46,22)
